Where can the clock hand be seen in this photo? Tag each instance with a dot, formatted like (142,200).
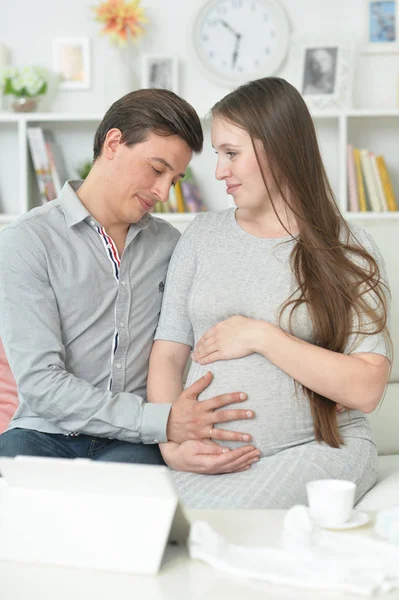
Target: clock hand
(237,44)
(236,48)
(229,27)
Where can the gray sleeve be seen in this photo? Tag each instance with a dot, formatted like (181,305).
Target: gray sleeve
(174,324)
(30,329)
(374,342)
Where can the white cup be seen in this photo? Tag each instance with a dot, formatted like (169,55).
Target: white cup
(331,501)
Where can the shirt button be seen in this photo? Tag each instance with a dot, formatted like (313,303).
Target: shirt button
(156,441)
(122,324)
(123,282)
(118,365)
(93,223)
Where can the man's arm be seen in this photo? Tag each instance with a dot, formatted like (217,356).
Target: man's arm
(32,334)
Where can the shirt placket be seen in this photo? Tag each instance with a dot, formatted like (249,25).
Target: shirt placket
(115,261)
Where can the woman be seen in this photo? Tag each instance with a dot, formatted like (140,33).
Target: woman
(284,301)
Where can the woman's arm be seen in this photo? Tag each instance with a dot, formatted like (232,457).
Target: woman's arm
(165,384)
(355,381)
(165,376)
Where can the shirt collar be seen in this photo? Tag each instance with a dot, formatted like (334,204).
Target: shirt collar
(75,212)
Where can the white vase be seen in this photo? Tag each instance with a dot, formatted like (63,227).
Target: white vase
(24,104)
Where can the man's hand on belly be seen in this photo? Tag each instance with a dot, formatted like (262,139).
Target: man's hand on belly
(193,420)
(208,458)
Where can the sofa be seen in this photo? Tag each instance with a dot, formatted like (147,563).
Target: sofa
(8,391)
(384,420)
(385,424)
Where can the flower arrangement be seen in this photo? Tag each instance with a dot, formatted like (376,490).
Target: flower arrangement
(28,82)
(122,21)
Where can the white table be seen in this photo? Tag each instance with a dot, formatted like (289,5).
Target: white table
(179,577)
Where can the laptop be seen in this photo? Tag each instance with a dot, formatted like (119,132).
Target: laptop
(79,512)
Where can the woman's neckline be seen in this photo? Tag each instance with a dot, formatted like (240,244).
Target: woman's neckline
(244,233)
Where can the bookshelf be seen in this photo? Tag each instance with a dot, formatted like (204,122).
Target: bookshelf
(376,129)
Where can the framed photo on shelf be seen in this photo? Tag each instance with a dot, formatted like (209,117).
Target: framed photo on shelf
(71,61)
(159,71)
(325,73)
(381,26)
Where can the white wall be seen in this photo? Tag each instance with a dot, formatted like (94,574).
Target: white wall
(29,37)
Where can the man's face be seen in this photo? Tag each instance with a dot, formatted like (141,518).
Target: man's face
(141,175)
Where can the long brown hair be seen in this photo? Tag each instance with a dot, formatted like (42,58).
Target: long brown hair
(334,273)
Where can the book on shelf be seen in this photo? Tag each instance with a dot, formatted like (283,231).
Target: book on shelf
(380,190)
(48,162)
(360,181)
(41,165)
(368,182)
(386,183)
(56,161)
(181,207)
(184,197)
(352,184)
(192,193)
(173,200)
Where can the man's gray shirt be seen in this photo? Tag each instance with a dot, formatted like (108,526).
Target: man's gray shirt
(77,326)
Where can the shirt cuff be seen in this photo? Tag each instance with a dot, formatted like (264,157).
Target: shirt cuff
(153,423)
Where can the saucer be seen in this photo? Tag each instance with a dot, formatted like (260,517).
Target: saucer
(357,519)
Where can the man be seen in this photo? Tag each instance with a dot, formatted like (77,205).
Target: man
(81,282)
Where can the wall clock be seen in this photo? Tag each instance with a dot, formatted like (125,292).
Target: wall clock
(239,40)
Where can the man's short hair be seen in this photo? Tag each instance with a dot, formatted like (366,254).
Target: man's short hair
(150,110)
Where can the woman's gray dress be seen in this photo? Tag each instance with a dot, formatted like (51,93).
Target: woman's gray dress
(218,270)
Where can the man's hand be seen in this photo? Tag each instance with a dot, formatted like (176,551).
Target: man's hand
(193,420)
(207,457)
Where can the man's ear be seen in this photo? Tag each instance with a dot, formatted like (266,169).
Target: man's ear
(111,143)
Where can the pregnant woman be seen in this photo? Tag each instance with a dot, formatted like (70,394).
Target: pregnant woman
(279,298)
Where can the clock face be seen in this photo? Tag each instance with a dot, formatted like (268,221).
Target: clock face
(240,40)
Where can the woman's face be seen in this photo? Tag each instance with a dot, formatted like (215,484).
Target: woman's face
(237,164)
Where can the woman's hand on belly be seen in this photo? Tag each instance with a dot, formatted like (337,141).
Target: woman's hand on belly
(207,457)
(233,338)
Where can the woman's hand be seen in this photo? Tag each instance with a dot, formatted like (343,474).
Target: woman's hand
(206,457)
(233,338)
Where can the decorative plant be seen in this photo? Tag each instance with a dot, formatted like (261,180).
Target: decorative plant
(122,21)
(21,82)
(84,169)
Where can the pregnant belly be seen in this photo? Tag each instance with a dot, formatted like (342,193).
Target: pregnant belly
(282,417)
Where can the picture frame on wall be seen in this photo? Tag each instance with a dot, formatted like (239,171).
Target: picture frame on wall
(381,26)
(325,73)
(160,71)
(71,61)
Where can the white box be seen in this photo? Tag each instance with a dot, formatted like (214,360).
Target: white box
(97,515)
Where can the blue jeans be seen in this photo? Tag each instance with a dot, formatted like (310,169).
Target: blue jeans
(35,443)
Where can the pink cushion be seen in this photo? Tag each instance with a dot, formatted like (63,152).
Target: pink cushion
(8,391)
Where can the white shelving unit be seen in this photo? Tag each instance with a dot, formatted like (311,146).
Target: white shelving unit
(377,130)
